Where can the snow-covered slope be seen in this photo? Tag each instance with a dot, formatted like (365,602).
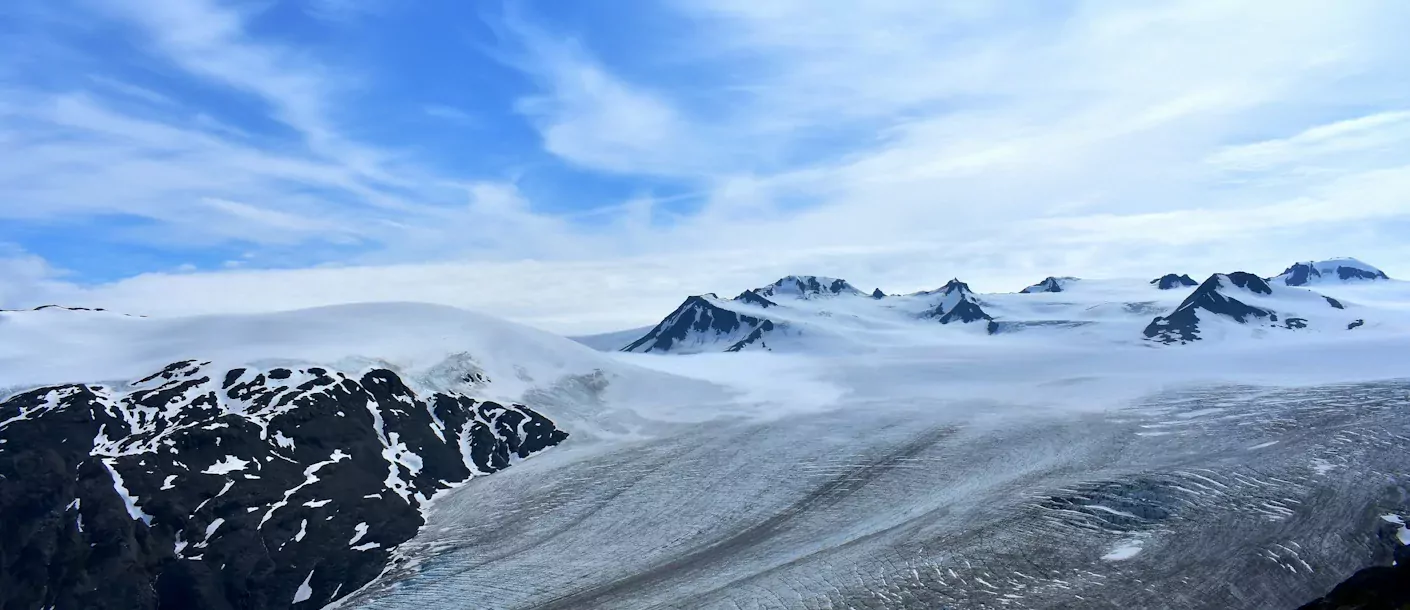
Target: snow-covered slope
(1333,270)
(261,461)
(1243,303)
(432,346)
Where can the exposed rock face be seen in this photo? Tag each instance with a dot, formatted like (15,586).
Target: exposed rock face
(958,304)
(201,488)
(1171,281)
(753,297)
(808,286)
(1182,325)
(1374,588)
(699,322)
(1222,296)
(878,294)
(1343,269)
(1049,284)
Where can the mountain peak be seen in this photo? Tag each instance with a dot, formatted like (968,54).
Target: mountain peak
(958,304)
(1240,279)
(1170,281)
(878,294)
(807,286)
(1342,269)
(1049,284)
(955,285)
(1249,300)
(753,297)
(1183,324)
(699,324)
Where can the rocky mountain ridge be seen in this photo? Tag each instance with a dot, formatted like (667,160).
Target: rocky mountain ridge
(797,311)
(241,488)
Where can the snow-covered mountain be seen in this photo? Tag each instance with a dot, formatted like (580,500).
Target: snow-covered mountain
(1238,301)
(703,322)
(804,312)
(259,461)
(957,304)
(807,287)
(1171,281)
(822,314)
(1049,284)
(1337,269)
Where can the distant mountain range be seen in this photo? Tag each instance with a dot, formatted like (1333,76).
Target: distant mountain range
(804,312)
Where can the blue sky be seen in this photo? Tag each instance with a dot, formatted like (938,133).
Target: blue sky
(186,156)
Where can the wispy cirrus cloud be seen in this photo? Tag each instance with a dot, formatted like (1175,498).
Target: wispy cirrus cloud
(977,111)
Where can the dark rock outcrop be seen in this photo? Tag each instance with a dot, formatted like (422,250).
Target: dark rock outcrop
(1374,588)
(753,297)
(1171,281)
(203,488)
(1304,273)
(699,321)
(808,286)
(1049,284)
(1219,296)
(1182,324)
(878,294)
(958,304)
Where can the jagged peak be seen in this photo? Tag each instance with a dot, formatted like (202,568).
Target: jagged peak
(753,297)
(1183,324)
(1238,279)
(963,310)
(955,284)
(957,305)
(805,286)
(1170,281)
(878,294)
(699,319)
(1049,284)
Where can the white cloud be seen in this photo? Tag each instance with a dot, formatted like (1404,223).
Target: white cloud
(988,114)
(1383,134)
(895,143)
(591,117)
(27,280)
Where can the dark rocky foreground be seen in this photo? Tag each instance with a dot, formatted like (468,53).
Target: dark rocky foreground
(1374,588)
(201,488)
